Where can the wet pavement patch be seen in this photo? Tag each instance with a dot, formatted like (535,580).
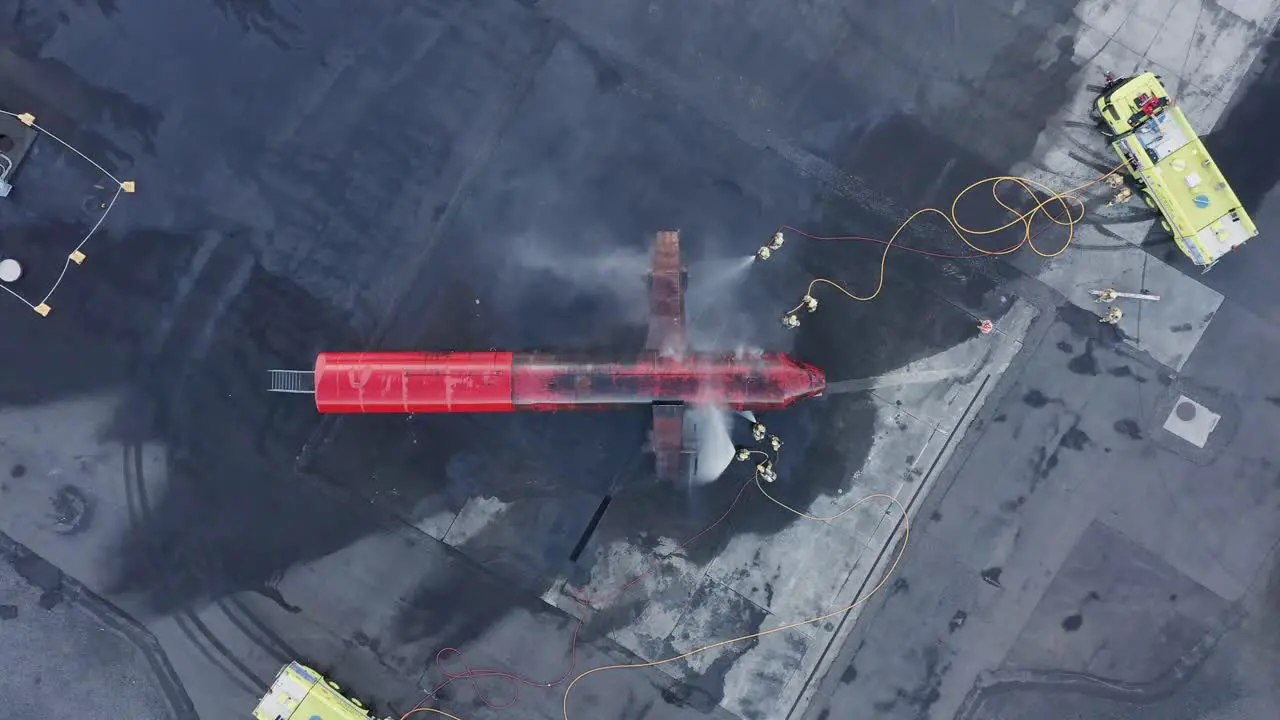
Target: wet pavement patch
(1129,428)
(1013,505)
(1035,399)
(1124,371)
(8,612)
(900,585)
(1084,363)
(991,576)
(1074,439)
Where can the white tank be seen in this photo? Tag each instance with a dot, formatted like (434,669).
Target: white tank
(10,270)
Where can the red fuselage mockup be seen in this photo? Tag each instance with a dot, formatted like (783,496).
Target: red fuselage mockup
(470,382)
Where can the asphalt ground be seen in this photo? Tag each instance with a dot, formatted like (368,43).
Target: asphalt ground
(410,177)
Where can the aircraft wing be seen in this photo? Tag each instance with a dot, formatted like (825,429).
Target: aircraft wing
(666,296)
(674,451)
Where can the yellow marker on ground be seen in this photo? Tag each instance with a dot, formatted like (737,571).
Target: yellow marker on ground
(43,309)
(127,186)
(77,257)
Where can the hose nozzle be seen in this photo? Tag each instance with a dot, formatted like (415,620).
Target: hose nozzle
(765,469)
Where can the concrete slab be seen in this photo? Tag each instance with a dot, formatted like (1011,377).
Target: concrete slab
(1073,451)
(1106,17)
(650,592)
(903,450)
(1168,329)
(1212,48)
(1142,24)
(920,604)
(1108,601)
(1263,13)
(799,575)
(754,672)
(944,404)
(57,635)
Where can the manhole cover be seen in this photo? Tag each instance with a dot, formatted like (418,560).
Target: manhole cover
(1191,421)
(1186,411)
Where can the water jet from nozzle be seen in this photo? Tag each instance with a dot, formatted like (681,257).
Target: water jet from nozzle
(715,446)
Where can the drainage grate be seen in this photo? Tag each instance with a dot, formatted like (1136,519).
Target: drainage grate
(302,382)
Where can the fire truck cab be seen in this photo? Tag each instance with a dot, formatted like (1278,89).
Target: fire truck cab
(300,693)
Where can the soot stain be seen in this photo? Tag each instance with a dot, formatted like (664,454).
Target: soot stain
(1072,623)
(1002,417)
(8,612)
(1129,428)
(18,471)
(1065,346)
(42,575)
(688,696)
(72,510)
(1180,327)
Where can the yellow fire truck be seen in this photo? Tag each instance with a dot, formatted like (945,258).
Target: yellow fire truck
(1172,168)
(300,693)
